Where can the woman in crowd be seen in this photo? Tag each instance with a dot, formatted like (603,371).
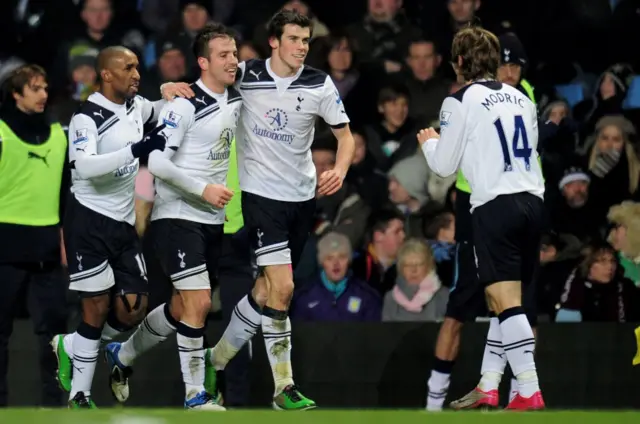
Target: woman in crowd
(418,294)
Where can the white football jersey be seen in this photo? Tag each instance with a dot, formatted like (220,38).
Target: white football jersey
(490,131)
(101,128)
(199,133)
(276,129)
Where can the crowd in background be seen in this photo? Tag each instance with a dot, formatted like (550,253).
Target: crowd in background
(384,245)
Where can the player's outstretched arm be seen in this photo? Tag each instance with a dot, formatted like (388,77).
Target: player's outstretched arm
(83,150)
(444,152)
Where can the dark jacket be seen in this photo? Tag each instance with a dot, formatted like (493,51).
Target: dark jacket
(359,302)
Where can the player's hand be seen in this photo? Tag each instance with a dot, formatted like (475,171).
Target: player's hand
(426,134)
(329,183)
(217,195)
(171,90)
(153,140)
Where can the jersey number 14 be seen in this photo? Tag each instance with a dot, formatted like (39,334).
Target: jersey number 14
(519,137)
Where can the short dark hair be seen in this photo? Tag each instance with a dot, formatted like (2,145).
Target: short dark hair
(22,76)
(208,33)
(423,40)
(480,53)
(284,17)
(440,222)
(392,93)
(380,220)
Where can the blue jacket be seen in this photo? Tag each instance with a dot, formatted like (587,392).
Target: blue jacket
(314,302)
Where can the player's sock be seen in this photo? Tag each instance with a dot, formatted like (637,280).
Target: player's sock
(276,330)
(154,329)
(68,344)
(438,384)
(494,359)
(191,350)
(86,343)
(513,388)
(519,345)
(245,320)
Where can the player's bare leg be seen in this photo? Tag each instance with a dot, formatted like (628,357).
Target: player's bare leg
(276,330)
(518,343)
(128,310)
(446,352)
(245,321)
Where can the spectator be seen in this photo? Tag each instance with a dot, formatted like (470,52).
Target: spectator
(575,213)
(384,34)
(597,291)
(82,83)
(394,137)
(335,295)
(418,294)
(440,233)
(356,83)
(610,92)
(171,66)
(416,190)
(613,164)
(377,263)
(247,51)
(98,32)
(427,89)
(625,238)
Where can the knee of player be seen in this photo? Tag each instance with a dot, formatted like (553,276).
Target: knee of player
(260,294)
(284,286)
(131,308)
(197,301)
(96,306)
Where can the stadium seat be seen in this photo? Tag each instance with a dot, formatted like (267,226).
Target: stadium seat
(572,93)
(632,101)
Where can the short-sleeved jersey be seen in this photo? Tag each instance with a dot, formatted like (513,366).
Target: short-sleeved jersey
(199,134)
(490,130)
(276,129)
(99,127)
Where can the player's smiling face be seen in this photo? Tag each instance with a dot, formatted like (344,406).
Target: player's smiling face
(126,78)
(223,60)
(293,46)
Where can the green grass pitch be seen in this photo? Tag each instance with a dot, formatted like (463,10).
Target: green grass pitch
(170,416)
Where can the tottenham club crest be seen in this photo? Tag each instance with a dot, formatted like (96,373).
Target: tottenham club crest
(277,119)
(226,136)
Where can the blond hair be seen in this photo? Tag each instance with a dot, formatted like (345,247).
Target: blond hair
(419,247)
(627,214)
(626,129)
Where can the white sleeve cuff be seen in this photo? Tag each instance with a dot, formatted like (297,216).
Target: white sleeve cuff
(430,146)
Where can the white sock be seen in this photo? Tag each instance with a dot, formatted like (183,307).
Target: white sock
(519,344)
(154,329)
(191,350)
(244,323)
(513,389)
(108,334)
(277,340)
(494,359)
(68,344)
(86,343)
(438,386)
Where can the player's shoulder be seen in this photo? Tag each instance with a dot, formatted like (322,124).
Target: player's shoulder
(94,109)
(310,78)
(255,70)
